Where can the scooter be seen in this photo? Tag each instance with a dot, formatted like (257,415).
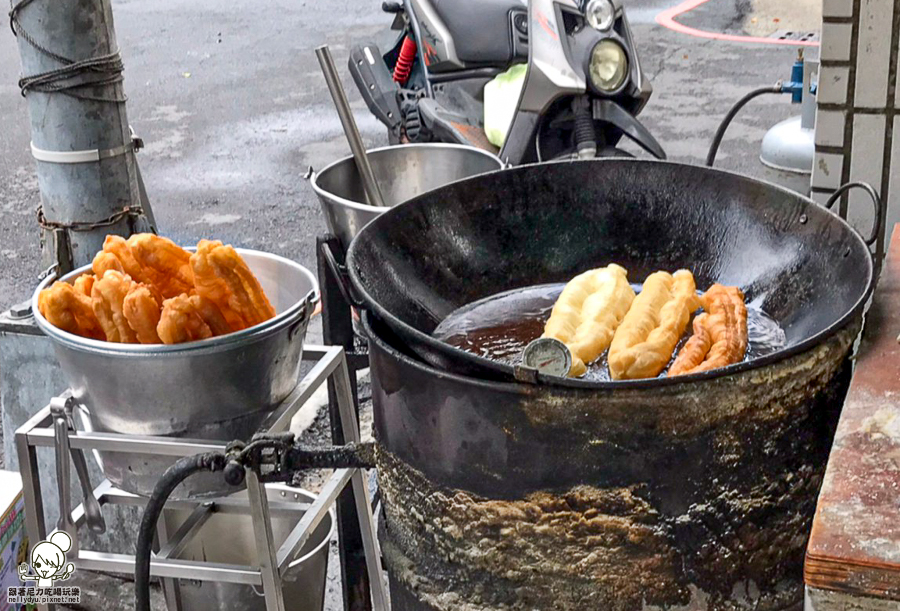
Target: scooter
(583,85)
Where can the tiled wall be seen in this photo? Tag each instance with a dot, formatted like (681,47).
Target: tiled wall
(856,136)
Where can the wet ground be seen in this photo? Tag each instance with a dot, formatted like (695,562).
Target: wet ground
(233,109)
(231,104)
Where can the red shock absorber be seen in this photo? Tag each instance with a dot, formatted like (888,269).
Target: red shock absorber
(405,60)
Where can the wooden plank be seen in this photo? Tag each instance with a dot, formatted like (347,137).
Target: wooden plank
(854,545)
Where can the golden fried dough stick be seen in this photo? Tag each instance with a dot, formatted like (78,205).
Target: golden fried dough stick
(117,246)
(211,314)
(84,283)
(726,325)
(166,264)
(107,298)
(142,311)
(105,261)
(588,312)
(69,310)
(221,276)
(180,322)
(644,342)
(213,287)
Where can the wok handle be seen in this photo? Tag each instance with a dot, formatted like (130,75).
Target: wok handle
(876,201)
(343,278)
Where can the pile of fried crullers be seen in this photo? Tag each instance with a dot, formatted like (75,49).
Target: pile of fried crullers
(149,290)
(598,310)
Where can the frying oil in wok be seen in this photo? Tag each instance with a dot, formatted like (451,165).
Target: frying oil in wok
(500,326)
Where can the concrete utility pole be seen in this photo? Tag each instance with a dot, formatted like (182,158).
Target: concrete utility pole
(87,172)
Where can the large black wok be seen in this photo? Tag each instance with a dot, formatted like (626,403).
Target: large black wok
(420,261)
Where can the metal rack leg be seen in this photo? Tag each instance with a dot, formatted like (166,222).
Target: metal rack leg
(171,589)
(371,549)
(337,327)
(35,525)
(265,543)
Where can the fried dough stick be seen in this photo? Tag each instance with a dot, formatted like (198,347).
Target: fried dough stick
(211,314)
(118,247)
(213,287)
(695,349)
(105,261)
(69,310)
(222,277)
(142,312)
(107,298)
(588,312)
(117,255)
(190,318)
(180,322)
(645,340)
(84,283)
(723,333)
(166,265)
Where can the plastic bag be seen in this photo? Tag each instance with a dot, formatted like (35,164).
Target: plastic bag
(501,97)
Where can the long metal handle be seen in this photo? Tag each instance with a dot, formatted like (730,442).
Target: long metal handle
(63,475)
(61,409)
(92,512)
(350,129)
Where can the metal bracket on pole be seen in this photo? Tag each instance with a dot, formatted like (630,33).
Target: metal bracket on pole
(87,156)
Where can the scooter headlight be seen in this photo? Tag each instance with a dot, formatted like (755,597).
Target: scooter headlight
(600,14)
(609,65)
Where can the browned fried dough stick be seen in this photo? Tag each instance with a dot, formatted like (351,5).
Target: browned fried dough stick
(726,327)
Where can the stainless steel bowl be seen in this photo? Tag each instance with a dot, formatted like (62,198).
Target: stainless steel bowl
(220,388)
(403,172)
(228,538)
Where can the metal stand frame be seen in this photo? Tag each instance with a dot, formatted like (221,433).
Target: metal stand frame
(331,366)
(337,326)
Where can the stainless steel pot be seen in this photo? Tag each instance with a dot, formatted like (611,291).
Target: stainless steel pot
(221,388)
(403,172)
(228,538)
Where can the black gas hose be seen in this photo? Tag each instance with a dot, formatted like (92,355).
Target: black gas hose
(174,475)
(720,132)
(274,454)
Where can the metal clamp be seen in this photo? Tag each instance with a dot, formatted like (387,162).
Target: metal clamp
(277,458)
(342,277)
(525,374)
(53,269)
(84,156)
(88,155)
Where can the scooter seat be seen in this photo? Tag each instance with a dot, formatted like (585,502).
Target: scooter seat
(480,28)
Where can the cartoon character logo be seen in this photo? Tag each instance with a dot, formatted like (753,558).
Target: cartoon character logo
(48,561)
